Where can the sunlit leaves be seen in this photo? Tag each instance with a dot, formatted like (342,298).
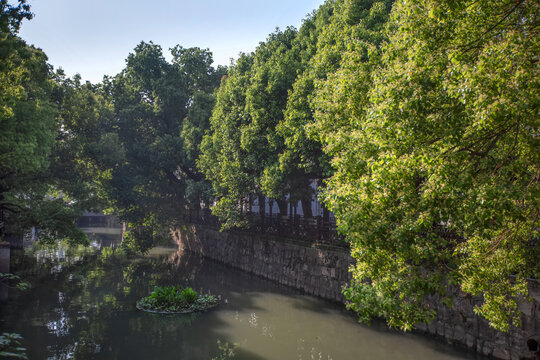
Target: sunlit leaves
(436,158)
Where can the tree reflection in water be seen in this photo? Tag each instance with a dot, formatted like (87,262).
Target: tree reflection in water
(83,306)
(85,302)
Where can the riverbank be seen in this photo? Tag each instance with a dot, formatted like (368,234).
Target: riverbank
(323,272)
(83,305)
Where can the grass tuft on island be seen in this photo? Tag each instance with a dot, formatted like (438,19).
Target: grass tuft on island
(175,300)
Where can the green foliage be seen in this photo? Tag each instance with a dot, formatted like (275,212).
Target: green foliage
(171,299)
(223,160)
(87,147)
(165,296)
(161,111)
(10,346)
(240,154)
(142,235)
(11,16)
(150,97)
(29,195)
(26,119)
(226,351)
(196,64)
(434,139)
(188,295)
(54,221)
(107,253)
(11,279)
(301,157)
(422,115)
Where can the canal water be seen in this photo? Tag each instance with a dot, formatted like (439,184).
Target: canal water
(82,306)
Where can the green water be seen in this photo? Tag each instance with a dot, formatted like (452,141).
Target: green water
(82,306)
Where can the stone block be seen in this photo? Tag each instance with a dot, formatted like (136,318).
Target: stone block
(472,323)
(465,306)
(440,328)
(515,355)
(518,338)
(479,345)
(501,339)
(534,291)
(324,271)
(326,293)
(526,308)
(448,332)
(501,353)
(459,333)
(487,349)
(484,331)
(470,341)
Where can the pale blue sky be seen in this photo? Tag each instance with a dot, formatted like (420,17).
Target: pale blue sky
(94,37)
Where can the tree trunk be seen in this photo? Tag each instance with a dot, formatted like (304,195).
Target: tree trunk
(197,204)
(262,210)
(326,214)
(306,208)
(290,210)
(1,217)
(325,223)
(282,205)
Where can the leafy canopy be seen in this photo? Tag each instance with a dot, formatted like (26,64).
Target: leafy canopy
(436,158)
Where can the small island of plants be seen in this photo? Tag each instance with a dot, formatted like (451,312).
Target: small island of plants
(174,299)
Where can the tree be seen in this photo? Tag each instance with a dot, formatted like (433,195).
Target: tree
(161,110)
(150,102)
(223,160)
(276,65)
(87,146)
(28,121)
(12,16)
(336,37)
(196,65)
(203,81)
(27,118)
(298,157)
(436,161)
(240,155)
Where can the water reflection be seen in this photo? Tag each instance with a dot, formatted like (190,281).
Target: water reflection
(85,309)
(5,255)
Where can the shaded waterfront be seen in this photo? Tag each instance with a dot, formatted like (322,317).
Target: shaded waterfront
(82,305)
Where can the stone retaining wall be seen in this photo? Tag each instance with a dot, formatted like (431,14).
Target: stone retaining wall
(323,273)
(460,325)
(316,271)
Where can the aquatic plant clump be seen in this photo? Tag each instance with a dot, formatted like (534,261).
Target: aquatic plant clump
(173,299)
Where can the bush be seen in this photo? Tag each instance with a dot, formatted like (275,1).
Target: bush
(188,295)
(173,299)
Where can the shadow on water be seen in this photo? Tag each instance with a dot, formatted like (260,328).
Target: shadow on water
(379,326)
(313,304)
(82,305)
